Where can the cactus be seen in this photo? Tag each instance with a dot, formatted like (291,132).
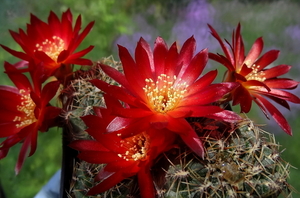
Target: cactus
(244,163)
(241,159)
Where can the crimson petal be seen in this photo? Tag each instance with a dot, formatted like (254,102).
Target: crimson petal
(187,134)
(278,117)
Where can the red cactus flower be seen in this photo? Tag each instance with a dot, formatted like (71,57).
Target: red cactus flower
(23,112)
(54,43)
(257,82)
(123,157)
(163,88)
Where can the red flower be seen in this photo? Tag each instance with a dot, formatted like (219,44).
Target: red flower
(53,43)
(24,111)
(123,157)
(163,88)
(256,82)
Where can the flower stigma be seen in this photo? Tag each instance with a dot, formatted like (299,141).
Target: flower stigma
(164,95)
(27,109)
(52,47)
(137,147)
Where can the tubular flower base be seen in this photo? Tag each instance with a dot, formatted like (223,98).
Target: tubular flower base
(256,81)
(240,160)
(53,43)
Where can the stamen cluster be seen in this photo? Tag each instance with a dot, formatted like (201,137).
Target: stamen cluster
(137,147)
(255,74)
(27,108)
(52,47)
(164,94)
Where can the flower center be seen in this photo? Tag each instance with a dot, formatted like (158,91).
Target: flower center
(52,47)
(164,95)
(27,108)
(137,147)
(255,74)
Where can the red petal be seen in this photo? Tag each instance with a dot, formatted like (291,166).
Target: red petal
(130,69)
(42,56)
(186,54)
(17,54)
(146,184)
(87,145)
(280,101)
(116,75)
(82,36)
(20,80)
(62,56)
(117,92)
(222,60)
(132,113)
(159,55)
(117,124)
(238,47)
(280,94)
(281,83)
(73,58)
(276,71)
(49,91)
(195,111)
(24,149)
(242,96)
(139,125)
(268,58)
(144,59)
(187,134)
(106,184)
(171,62)
(158,121)
(224,48)
(227,116)
(98,157)
(255,84)
(201,83)
(208,95)
(50,115)
(278,117)
(92,122)
(8,129)
(195,67)
(254,52)
(103,174)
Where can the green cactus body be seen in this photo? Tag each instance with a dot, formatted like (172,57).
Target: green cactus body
(245,163)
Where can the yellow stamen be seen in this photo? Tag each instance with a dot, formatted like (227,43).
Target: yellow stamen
(52,47)
(27,108)
(137,147)
(255,74)
(164,94)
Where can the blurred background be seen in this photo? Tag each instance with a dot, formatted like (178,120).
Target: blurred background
(124,22)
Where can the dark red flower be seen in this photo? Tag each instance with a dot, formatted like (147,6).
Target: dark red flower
(256,81)
(123,157)
(53,43)
(163,88)
(24,111)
